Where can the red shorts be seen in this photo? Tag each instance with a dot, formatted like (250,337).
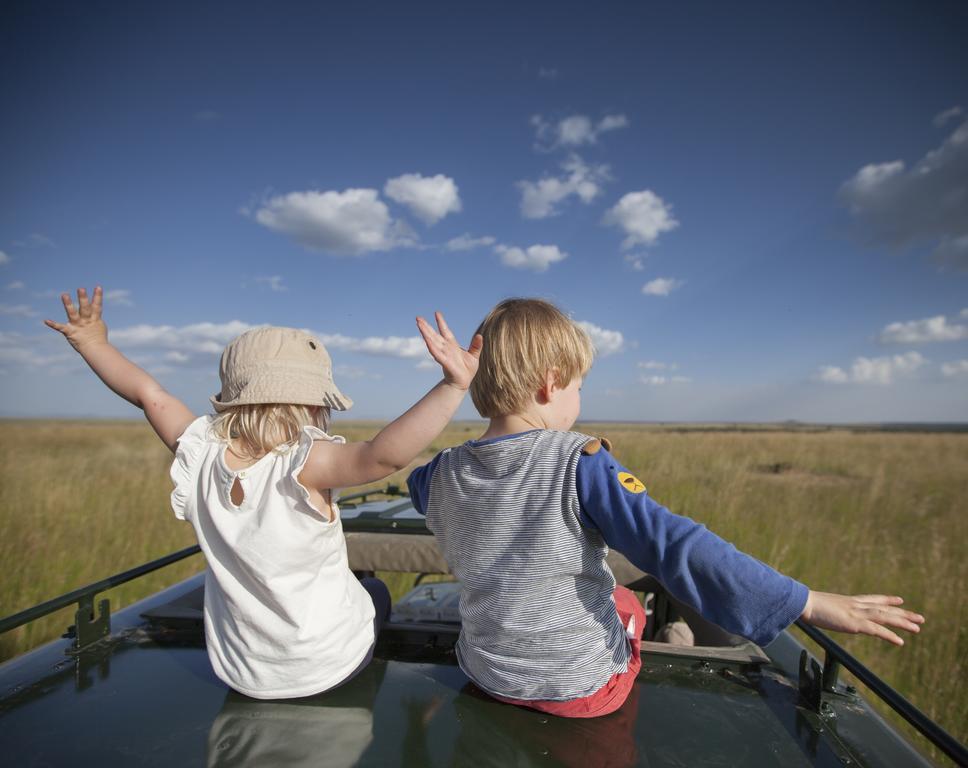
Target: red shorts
(613,694)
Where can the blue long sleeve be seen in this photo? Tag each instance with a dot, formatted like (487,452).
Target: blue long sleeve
(730,588)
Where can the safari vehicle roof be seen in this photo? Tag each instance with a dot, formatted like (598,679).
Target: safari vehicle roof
(145,694)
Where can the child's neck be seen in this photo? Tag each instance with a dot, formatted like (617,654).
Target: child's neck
(513,424)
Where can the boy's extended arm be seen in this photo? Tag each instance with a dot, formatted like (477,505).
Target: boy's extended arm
(87,333)
(730,588)
(331,465)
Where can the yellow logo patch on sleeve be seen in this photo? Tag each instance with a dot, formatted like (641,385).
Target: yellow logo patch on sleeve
(631,483)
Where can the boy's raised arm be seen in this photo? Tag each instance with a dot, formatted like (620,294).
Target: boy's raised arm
(332,465)
(728,587)
(87,333)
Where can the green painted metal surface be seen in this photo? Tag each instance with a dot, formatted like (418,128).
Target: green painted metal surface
(150,698)
(146,696)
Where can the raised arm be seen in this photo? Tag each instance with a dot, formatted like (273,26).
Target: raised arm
(728,587)
(87,333)
(340,466)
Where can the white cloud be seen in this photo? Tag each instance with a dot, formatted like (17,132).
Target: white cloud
(17,349)
(273,282)
(873,370)
(942,118)
(119,296)
(661,286)
(952,250)
(536,257)
(606,342)
(429,198)
(351,222)
(206,116)
(384,346)
(349,371)
(897,206)
(832,375)
(643,215)
(210,339)
(656,365)
(17,310)
(920,331)
(636,261)
(466,242)
(955,368)
(573,131)
(16,285)
(36,240)
(658,381)
(539,198)
(547,73)
(197,338)
(4,259)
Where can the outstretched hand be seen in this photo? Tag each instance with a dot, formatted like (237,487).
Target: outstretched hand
(84,324)
(459,364)
(861,614)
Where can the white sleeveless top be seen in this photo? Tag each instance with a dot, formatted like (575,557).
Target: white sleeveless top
(284,615)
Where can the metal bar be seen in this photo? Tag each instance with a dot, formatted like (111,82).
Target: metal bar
(930,729)
(38,611)
(24,617)
(410,526)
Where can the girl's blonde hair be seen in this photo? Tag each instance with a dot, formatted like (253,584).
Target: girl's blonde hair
(259,429)
(524,339)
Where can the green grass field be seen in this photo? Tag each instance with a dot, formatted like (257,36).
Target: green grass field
(841,510)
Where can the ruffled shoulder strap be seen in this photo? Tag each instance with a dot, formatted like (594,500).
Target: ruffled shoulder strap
(300,456)
(184,468)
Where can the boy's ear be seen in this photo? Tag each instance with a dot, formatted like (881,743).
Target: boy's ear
(549,387)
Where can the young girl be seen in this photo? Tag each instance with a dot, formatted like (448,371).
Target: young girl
(284,615)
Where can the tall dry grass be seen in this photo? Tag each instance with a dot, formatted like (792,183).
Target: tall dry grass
(839,510)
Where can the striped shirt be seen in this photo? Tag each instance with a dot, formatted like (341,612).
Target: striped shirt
(538,618)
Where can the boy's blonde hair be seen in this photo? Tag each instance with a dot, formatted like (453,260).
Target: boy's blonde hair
(524,339)
(259,429)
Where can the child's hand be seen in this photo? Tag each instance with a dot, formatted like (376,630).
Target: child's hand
(459,364)
(861,614)
(84,325)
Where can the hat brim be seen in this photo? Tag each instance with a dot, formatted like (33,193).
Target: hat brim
(296,387)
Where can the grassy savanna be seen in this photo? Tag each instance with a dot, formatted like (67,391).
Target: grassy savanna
(841,510)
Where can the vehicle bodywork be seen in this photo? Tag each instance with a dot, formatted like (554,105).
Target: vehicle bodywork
(143,693)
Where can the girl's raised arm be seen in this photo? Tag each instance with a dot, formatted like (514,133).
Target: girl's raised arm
(87,333)
(331,465)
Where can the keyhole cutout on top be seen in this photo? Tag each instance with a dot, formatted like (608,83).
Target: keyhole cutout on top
(237,494)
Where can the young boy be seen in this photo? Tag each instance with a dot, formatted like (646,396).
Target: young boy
(525,515)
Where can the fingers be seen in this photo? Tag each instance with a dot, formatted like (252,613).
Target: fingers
(56,326)
(444,328)
(69,307)
(877,630)
(477,344)
(880,599)
(425,330)
(895,617)
(436,345)
(84,306)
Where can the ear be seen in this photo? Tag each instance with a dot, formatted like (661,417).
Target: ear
(550,386)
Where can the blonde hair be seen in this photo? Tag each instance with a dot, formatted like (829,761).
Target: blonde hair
(524,339)
(259,429)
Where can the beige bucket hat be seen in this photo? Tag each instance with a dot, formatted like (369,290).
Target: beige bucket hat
(277,365)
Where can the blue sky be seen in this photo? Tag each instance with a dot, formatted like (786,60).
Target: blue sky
(759,212)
